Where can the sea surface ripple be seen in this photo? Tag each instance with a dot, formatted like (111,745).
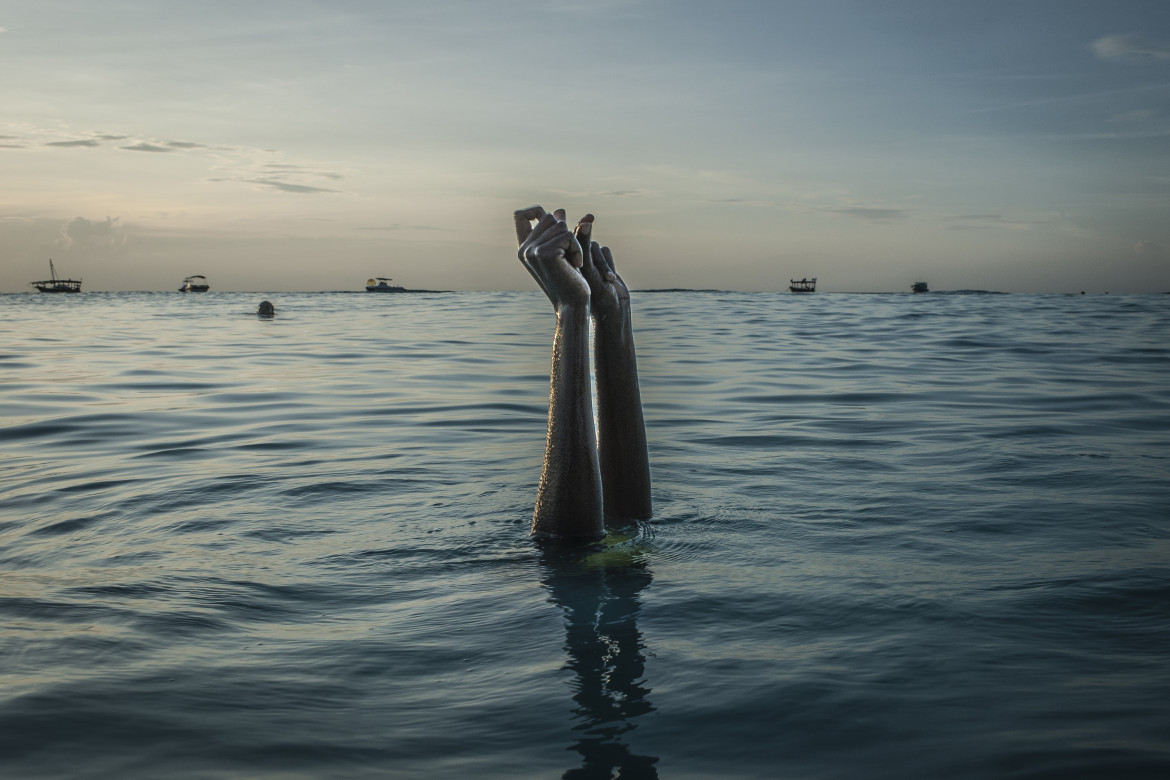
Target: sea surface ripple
(894,536)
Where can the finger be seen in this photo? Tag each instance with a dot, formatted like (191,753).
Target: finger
(555,237)
(573,252)
(540,232)
(529,252)
(550,239)
(589,269)
(584,230)
(608,257)
(524,218)
(560,215)
(597,260)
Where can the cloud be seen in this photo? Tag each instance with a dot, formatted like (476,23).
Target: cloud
(238,164)
(281,169)
(1129,47)
(85,142)
(92,233)
(145,147)
(285,186)
(989,221)
(1139,115)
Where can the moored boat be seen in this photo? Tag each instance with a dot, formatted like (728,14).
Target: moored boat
(55,285)
(381,284)
(191,285)
(802,285)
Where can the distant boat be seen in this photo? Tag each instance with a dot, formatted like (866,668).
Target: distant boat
(55,285)
(919,287)
(380,284)
(190,285)
(802,285)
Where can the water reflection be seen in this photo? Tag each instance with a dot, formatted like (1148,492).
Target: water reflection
(598,592)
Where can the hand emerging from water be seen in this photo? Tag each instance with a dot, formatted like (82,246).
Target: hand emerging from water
(621,439)
(589,475)
(552,255)
(569,498)
(609,294)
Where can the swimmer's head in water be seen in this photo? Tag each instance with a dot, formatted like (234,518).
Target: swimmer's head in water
(266,309)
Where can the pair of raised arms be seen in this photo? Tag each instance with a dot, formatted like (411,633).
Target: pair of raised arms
(590,477)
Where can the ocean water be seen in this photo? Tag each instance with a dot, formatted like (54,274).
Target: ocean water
(895,536)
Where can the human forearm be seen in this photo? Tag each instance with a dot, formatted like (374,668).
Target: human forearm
(569,500)
(621,442)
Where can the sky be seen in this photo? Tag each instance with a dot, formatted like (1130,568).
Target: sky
(728,144)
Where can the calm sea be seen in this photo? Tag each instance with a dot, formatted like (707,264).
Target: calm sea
(895,536)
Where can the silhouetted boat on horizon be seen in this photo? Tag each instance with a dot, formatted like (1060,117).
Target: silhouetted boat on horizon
(55,285)
(802,285)
(919,287)
(380,284)
(190,285)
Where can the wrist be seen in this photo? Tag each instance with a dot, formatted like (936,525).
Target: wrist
(613,326)
(573,313)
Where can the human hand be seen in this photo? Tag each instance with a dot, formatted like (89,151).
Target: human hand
(608,293)
(552,255)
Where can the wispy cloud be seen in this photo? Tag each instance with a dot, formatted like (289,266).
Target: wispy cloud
(1139,115)
(145,147)
(246,166)
(989,222)
(284,169)
(257,167)
(82,142)
(285,186)
(1129,47)
(139,145)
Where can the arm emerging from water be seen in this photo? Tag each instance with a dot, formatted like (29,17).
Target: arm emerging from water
(569,499)
(621,441)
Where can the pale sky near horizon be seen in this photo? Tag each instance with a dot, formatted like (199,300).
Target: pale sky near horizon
(308,145)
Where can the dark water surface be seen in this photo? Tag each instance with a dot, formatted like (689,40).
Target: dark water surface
(895,536)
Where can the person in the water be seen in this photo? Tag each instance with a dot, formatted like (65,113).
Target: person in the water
(266,309)
(589,477)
